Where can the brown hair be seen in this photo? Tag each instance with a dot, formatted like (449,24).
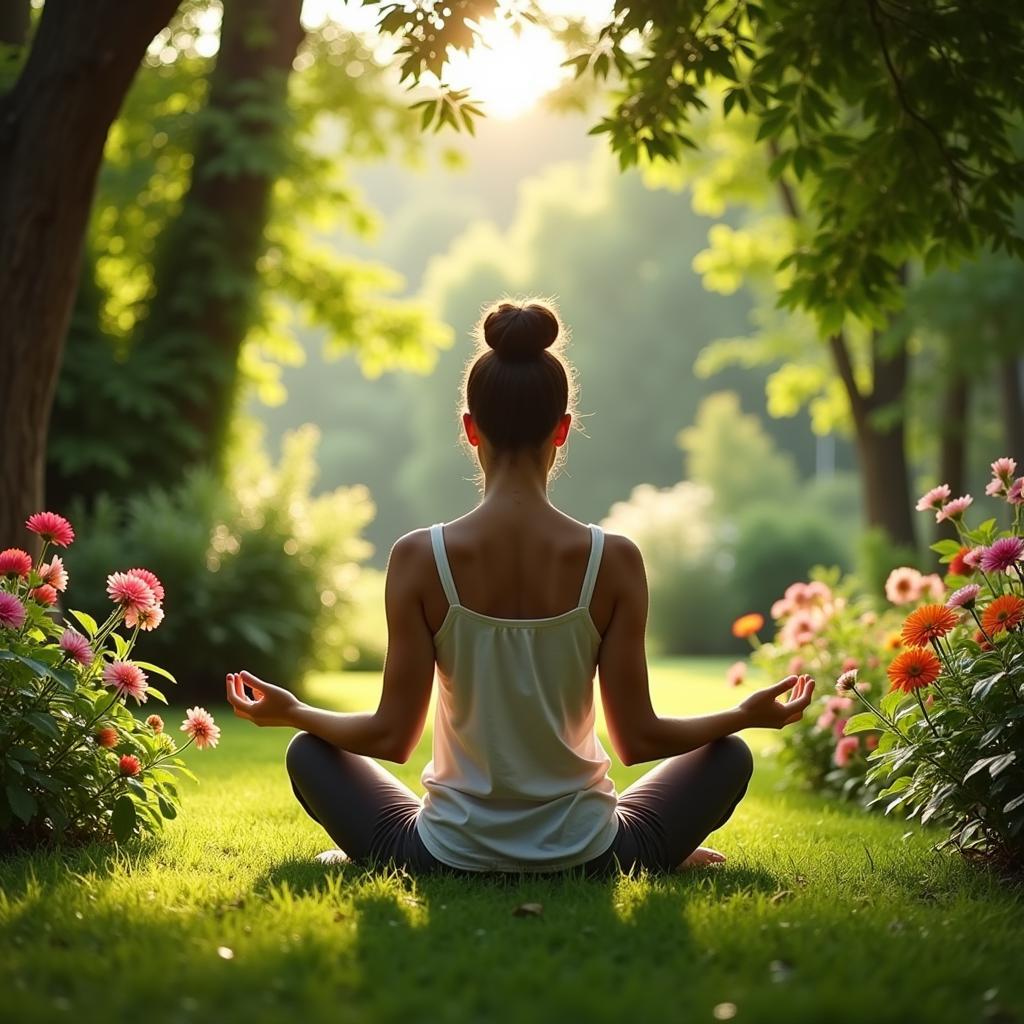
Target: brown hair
(518,384)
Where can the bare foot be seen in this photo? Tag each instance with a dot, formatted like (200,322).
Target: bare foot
(332,857)
(702,857)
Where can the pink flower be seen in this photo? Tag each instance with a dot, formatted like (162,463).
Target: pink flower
(15,562)
(76,647)
(864,686)
(199,726)
(796,665)
(935,497)
(994,488)
(954,509)
(129,591)
(151,581)
(933,585)
(781,608)
(44,595)
(964,597)
(736,673)
(850,664)
(839,704)
(847,681)
(129,765)
(145,618)
(825,720)
(129,680)
(12,611)
(838,726)
(972,558)
(1002,555)
(1004,468)
(1015,495)
(903,585)
(54,573)
(156,723)
(845,750)
(51,527)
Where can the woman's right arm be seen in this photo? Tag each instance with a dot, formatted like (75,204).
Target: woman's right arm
(637,732)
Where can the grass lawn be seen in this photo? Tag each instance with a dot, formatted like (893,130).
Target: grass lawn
(822,914)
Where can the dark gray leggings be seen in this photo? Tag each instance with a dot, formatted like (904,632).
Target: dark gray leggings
(663,817)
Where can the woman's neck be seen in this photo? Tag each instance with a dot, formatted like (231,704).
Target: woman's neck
(518,482)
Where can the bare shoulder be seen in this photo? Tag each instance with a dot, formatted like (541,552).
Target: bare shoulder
(410,549)
(622,554)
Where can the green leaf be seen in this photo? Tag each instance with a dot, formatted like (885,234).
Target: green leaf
(902,783)
(123,818)
(44,723)
(22,802)
(150,667)
(946,547)
(862,722)
(890,702)
(167,809)
(86,621)
(152,691)
(1017,801)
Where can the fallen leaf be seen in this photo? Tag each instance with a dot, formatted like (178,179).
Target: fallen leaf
(529,910)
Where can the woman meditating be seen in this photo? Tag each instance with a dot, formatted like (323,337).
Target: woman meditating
(515,606)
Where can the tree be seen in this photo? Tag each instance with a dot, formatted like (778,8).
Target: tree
(206,243)
(899,130)
(53,123)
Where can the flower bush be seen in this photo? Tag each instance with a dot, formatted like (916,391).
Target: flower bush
(952,744)
(75,762)
(824,627)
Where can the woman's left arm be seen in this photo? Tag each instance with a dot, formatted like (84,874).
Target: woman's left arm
(393,730)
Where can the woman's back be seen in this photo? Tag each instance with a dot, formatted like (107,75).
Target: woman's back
(518,778)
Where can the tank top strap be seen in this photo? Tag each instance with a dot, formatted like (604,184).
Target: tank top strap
(444,570)
(596,547)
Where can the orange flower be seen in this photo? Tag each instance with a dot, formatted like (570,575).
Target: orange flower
(928,623)
(748,625)
(914,668)
(1006,612)
(107,738)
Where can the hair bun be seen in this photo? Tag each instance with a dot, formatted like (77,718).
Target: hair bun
(518,333)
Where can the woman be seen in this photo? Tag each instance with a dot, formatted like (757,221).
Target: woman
(516,605)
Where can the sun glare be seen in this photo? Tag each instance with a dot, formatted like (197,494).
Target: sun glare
(508,73)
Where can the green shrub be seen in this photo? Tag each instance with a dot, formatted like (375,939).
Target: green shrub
(259,573)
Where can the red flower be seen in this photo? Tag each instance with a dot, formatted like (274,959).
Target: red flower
(129,765)
(15,562)
(913,669)
(151,581)
(51,527)
(748,625)
(106,738)
(958,567)
(928,623)
(44,594)
(1006,612)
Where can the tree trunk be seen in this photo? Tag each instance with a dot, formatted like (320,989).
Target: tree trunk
(205,272)
(1010,389)
(953,441)
(53,126)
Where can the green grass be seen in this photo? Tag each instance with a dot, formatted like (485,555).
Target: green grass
(822,914)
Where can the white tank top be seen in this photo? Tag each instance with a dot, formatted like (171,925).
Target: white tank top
(518,780)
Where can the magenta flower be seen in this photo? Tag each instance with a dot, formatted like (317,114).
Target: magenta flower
(954,509)
(198,725)
(51,527)
(1015,495)
(934,498)
(151,581)
(1002,555)
(129,591)
(964,597)
(15,562)
(129,680)
(12,611)
(76,647)
(54,573)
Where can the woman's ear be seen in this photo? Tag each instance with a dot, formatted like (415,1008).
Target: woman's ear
(562,430)
(470,427)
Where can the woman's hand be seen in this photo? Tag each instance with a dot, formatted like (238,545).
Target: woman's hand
(765,712)
(269,704)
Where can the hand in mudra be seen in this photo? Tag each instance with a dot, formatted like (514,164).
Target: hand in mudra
(268,705)
(765,712)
